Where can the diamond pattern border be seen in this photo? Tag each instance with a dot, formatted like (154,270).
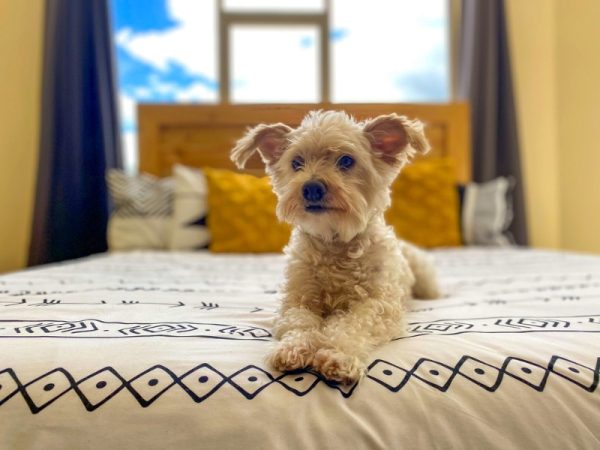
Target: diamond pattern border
(204,380)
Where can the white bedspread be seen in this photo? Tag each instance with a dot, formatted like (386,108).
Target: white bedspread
(165,350)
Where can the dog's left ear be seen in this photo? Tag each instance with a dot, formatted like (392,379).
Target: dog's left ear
(269,140)
(396,138)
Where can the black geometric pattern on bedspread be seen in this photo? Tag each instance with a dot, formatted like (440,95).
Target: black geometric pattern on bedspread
(204,380)
(100,329)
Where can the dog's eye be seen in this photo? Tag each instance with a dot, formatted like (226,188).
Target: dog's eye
(345,162)
(297,163)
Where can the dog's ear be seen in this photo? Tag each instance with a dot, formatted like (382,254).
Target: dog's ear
(269,140)
(396,138)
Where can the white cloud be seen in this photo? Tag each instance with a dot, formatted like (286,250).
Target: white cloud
(197,92)
(191,43)
(143,93)
(381,46)
(122,36)
(162,88)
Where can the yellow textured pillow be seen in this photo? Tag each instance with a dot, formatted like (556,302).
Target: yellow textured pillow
(242,219)
(241,214)
(424,207)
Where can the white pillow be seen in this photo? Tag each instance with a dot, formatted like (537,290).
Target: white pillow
(487,213)
(189,230)
(143,210)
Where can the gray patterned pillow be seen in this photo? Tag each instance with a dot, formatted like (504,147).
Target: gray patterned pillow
(143,211)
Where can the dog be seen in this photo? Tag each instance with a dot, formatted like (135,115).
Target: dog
(348,276)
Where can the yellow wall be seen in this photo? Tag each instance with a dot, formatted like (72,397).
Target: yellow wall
(21,27)
(555,46)
(578,72)
(532,35)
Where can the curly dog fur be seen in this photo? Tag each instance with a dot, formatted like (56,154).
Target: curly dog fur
(348,276)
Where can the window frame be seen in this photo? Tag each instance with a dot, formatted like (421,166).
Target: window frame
(227,19)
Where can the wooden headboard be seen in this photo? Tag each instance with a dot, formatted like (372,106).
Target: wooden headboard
(203,135)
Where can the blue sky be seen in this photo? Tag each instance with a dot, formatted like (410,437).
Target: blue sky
(142,15)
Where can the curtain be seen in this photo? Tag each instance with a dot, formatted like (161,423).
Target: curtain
(79,132)
(485,80)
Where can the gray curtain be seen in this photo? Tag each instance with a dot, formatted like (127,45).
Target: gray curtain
(485,80)
(79,132)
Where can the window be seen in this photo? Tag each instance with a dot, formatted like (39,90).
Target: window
(274,63)
(300,51)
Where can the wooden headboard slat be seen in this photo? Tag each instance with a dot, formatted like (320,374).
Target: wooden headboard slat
(202,135)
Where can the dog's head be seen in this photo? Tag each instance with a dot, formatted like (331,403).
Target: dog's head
(332,174)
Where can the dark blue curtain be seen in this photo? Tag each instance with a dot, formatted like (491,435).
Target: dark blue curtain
(79,132)
(485,80)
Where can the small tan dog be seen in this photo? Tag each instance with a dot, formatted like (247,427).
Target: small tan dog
(348,276)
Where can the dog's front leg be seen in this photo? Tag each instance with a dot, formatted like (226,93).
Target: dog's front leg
(352,336)
(297,329)
(292,319)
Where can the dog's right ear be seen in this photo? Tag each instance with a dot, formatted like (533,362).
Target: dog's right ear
(269,140)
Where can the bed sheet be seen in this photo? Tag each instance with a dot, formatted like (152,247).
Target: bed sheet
(165,350)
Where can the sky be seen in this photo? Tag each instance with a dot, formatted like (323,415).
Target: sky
(381,51)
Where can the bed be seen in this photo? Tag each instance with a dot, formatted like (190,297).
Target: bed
(165,349)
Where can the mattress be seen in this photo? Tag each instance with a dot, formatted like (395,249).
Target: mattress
(166,350)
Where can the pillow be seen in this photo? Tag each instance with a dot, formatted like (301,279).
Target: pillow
(242,214)
(189,230)
(424,207)
(242,209)
(142,211)
(486,212)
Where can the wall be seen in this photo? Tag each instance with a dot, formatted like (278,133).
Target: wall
(532,37)
(578,72)
(555,47)
(21,27)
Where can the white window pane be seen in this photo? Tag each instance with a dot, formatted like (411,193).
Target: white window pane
(274,64)
(274,5)
(389,50)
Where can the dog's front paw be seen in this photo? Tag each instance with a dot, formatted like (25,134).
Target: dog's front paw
(288,356)
(338,366)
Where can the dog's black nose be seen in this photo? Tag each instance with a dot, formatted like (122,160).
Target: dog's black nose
(314,191)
